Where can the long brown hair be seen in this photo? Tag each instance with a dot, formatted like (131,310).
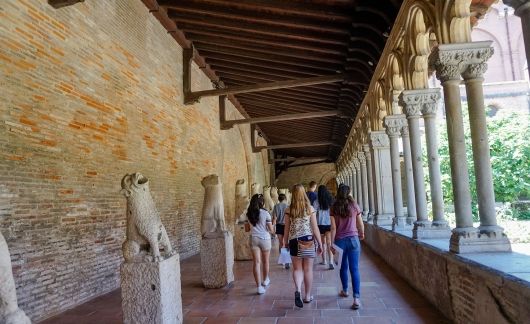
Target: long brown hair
(300,205)
(344,204)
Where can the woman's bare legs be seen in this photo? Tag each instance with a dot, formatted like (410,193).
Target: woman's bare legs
(307,264)
(256,266)
(324,243)
(329,243)
(298,273)
(265,262)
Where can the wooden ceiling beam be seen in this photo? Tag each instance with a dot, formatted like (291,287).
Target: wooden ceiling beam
(252,16)
(191,97)
(249,41)
(257,62)
(212,51)
(278,52)
(250,97)
(314,114)
(295,145)
(320,89)
(273,107)
(200,21)
(286,8)
(300,158)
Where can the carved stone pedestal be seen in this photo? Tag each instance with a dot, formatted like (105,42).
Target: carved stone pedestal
(470,240)
(426,230)
(242,251)
(9,311)
(217,260)
(151,293)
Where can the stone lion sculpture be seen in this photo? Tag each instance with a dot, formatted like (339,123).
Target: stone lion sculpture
(9,311)
(274,195)
(213,217)
(268,202)
(255,189)
(144,227)
(242,201)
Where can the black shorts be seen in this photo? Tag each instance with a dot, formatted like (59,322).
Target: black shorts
(324,228)
(280,229)
(293,244)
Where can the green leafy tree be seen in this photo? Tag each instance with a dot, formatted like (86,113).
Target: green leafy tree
(509,139)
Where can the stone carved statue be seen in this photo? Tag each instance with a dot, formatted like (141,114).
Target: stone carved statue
(9,311)
(274,195)
(144,227)
(213,215)
(242,201)
(256,189)
(269,203)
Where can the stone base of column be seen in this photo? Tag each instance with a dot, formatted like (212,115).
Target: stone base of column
(472,240)
(151,293)
(242,251)
(400,224)
(383,220)
(370,219)
(428,230)
(217,260)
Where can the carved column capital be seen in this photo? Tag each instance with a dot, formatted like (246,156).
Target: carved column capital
(356,163)
(420,101)
(475,71)
(405,131)
(379,139)
(366,149)
(520,6)
(452,60)
(394,124)
(362,157)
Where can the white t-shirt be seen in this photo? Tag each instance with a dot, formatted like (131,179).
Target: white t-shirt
(260,230)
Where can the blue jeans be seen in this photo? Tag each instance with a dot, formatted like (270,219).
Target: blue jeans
(350,260)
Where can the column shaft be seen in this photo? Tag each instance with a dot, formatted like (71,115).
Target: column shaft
(364,181)
(481,153)
(417,168)
(369,175)
(457,154)
(393,124)
(411,200)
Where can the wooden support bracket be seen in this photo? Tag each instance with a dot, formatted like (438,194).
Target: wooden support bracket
(294,145)
(63,3)
(227,124)
(192,97)
(303,158)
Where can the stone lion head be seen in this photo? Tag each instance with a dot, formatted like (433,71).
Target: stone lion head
(133,182)
(211,180)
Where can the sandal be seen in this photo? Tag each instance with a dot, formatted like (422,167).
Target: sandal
(298,300)
(342,293)
(355,304)
(307,301)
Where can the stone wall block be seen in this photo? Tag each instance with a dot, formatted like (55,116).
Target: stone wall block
(217,260)
(151,292)
(242,251)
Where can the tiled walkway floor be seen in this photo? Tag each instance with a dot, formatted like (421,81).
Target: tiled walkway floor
(385,297)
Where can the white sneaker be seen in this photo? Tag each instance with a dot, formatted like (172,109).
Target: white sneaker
(266,282)
(261,290)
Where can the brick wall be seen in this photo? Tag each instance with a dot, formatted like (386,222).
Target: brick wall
(321,173)
(91,92)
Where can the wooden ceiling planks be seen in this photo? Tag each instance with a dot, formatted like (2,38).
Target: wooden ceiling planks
(248,42)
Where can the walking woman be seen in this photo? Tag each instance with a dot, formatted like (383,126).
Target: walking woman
(260,240)
(278,216)
(301,234)
(322,206)
(346,229)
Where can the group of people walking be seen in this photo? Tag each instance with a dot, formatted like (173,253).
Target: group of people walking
(308,227)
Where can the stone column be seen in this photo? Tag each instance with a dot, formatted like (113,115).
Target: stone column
(393,125)
(412,101)
(369,174)
(364,182)
(473,78)
(435,179)
(449,61)
(353,184)
(411,200)
(522,9)
(358,188)
(384,205)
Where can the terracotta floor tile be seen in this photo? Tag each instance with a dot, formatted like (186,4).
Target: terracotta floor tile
(385,298)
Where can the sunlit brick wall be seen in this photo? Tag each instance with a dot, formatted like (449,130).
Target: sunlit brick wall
(88,93)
